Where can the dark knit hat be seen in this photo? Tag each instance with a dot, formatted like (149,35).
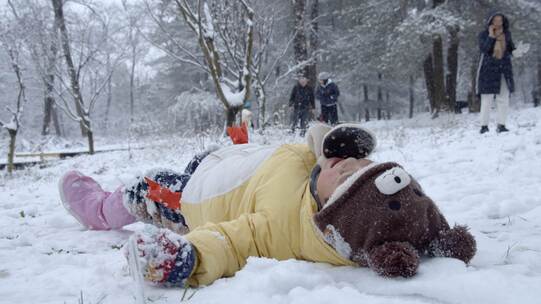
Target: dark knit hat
(380,217)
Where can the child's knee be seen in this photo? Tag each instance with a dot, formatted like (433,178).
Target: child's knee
(137,199)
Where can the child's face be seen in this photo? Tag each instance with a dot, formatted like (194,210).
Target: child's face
(334,172)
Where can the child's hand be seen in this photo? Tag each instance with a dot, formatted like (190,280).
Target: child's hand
(164,257)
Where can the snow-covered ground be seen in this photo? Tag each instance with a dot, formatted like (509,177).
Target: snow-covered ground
(491,182)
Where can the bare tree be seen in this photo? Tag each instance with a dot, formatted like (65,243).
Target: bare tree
(73,74)
(262,71)
(12,45)
(97,77)
(34,18)
(224,33)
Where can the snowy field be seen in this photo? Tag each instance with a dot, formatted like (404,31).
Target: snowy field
(491,182)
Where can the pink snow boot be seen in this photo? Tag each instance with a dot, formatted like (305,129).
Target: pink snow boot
(93,207)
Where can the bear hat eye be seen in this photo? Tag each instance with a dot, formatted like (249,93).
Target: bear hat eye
(392,181)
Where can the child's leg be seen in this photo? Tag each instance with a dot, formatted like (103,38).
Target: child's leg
(114,212)
(194,163)
(90,205)
(138,202)
(198,158)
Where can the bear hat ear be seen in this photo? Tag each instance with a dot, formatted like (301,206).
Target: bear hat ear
(394,259)
(456,243)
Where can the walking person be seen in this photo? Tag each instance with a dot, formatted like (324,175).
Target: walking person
(327,93)
(303,104)
(495,74)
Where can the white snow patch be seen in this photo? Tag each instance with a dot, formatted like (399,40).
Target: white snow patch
(490,182)
(234,99)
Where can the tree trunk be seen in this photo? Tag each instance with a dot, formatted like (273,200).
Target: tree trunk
(434,71)
(56,121)
(11,151)
(538,91)
(86,129)
(428,69)
(436,3)
(439,70)
(388,105)
(231,115)
(109,94)
(50,110)
(132,82)
(380,96)
(412,96)
(47,115)
(261,105)
(474,104)
(299,41)
(90,136)
(366,108)
(452,67)
(314,42)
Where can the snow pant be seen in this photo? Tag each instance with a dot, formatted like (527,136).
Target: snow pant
(302,115)
(329,114)
(144,209)
(502,103)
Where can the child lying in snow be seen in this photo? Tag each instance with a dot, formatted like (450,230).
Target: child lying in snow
(321,202)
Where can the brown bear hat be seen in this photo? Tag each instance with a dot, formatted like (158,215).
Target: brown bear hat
(381,218)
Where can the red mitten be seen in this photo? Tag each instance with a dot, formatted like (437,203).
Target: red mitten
(163,196)
(239,135)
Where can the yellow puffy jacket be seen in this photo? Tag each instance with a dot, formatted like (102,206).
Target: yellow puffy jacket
(251,200)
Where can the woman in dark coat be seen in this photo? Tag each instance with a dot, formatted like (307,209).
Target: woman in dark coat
(327,92)
(495,75)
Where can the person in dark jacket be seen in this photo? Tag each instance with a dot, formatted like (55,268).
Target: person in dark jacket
(302,102)
(495,74)
(327,93)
